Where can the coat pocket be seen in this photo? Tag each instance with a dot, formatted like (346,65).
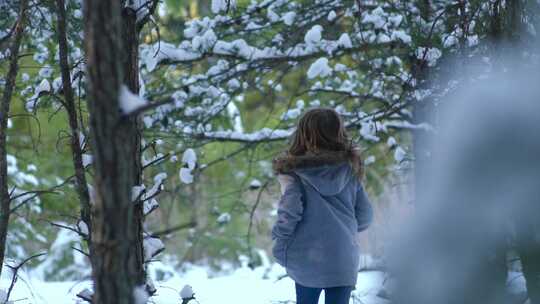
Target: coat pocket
(279,251)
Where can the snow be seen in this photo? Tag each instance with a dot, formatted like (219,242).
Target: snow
(391,142)
(190,158)
(136,192)
(288,18)
(3,296)
(224,218)
(128,101)
(152,247)
(395,20)
(263,134)
(272,15)
(383,38)
(187,292)
(319,68)
(222,5)
(314,35)
(204,42)
(150,205)
(345,41)
(376,17)
(140,295)
(401,35)
(368,131)
(472,40)
(234,114)
(291,114)
(399,154)
(450,41)
(431,55)
(92,194)
(369,160)
(44,86)
(160,177)
(87,159)
(82,227)
(152,55)
(240,286)
(331,16)
(255,184)
(46,71)
(185,176)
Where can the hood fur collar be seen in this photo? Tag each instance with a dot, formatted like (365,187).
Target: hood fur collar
(285,162)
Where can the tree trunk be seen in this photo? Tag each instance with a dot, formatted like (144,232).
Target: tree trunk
(131,80)
(5,199)
(515,20)
(116,227)
(69,103)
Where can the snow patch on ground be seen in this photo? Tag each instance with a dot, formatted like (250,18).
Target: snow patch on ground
(241,286)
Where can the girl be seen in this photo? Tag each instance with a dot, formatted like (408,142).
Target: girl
(322,207)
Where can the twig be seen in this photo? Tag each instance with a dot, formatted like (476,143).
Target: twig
(252,214)
(174,229)
(15,270)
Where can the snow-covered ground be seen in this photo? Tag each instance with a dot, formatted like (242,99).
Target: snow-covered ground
(240,286)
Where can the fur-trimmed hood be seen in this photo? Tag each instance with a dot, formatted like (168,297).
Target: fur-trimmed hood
(286,163)
(327,171)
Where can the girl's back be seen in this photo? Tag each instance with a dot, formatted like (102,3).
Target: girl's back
(321,249)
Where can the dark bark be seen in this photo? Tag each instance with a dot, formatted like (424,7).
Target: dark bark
(5,199)
(515,20)
(69,103)
(131,80)
(116,227)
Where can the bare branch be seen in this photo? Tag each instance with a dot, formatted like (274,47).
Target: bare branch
(15,270)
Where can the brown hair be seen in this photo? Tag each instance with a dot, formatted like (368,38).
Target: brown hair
(322,130)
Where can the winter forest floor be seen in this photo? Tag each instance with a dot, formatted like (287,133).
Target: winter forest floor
(265,284)
(240,286)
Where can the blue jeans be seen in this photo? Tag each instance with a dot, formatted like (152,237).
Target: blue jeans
(333,295)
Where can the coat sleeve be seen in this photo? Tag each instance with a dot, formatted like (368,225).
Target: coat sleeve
(289,212)
(363,209)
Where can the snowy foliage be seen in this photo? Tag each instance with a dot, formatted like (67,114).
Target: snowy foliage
(189,159)
(366,59)
(335,64)
(319,68)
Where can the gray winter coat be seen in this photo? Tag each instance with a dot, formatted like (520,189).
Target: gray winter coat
(315,240)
